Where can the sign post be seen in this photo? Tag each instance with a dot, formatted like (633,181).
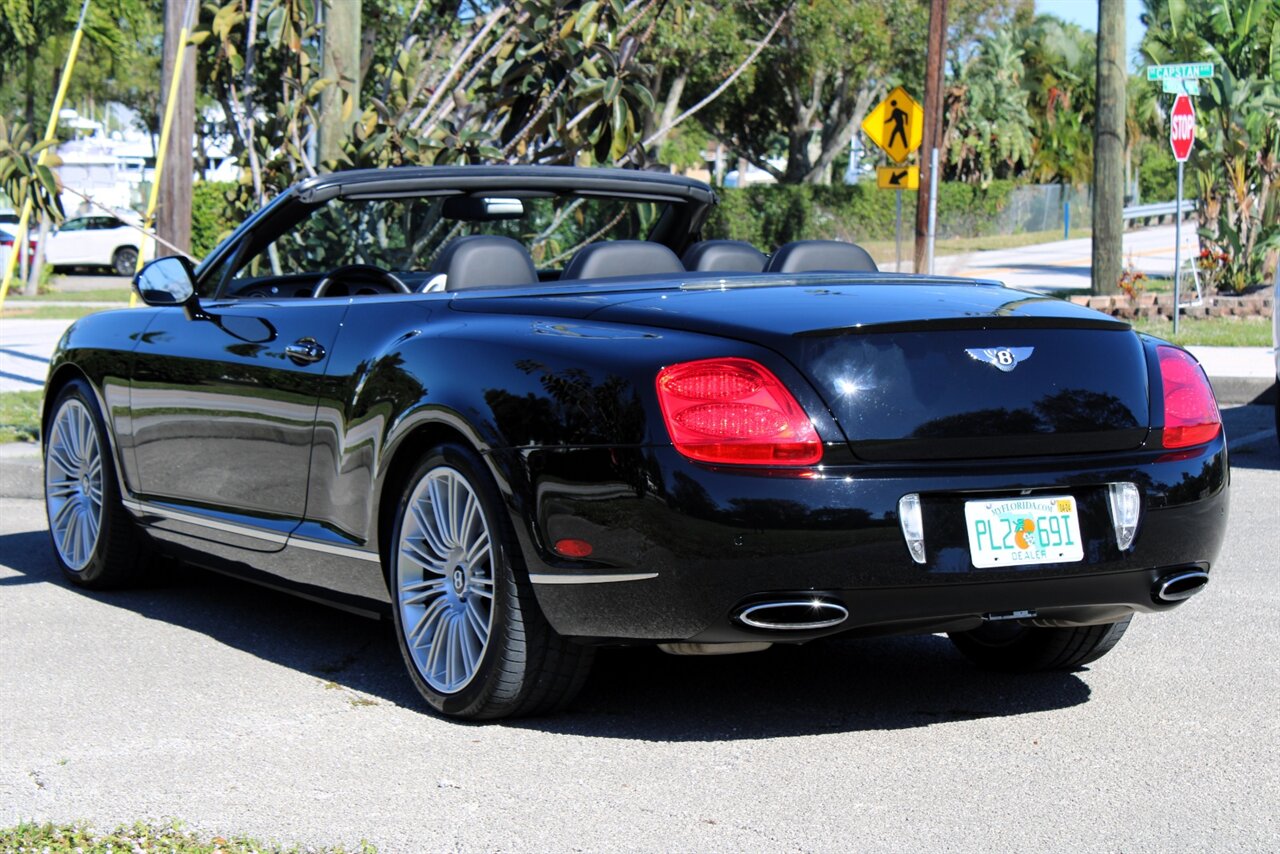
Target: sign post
(1182,137)
(897,126)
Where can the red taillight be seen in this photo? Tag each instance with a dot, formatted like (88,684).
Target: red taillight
(735,411)
(1190,412)
(573,548)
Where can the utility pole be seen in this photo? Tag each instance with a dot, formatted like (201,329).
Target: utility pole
(341,63)
(173,213)
(1108,150)
(933,95)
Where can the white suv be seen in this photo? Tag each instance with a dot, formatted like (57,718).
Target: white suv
(94,241)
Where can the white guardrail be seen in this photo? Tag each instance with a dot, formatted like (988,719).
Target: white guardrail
(1159,210)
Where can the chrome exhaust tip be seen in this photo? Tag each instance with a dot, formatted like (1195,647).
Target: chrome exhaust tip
(793,615)
(1180,585)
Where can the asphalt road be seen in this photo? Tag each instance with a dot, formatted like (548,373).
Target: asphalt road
(239,710)
(1065,265)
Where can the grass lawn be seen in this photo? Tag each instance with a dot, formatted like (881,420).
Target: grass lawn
(57,295)
(883,250)
(57,839)
(19,418)
(32,310)
(1211,331)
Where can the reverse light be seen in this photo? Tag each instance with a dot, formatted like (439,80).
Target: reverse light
(735,411)
(911,518)
(1190,411)
(1125,504)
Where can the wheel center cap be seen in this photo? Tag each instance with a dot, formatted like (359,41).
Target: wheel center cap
(459,581)
(84,484)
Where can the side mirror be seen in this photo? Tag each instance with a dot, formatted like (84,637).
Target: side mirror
(166,281)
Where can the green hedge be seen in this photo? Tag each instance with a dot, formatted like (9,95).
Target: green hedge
(769,215)
(211,215)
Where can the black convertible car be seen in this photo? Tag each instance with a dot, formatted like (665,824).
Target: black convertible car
(527,412)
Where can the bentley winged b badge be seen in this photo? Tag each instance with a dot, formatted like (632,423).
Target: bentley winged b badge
(1004,358)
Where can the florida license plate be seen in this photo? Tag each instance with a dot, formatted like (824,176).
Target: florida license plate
(1023,531)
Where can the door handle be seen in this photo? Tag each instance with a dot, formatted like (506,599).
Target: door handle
(304,351)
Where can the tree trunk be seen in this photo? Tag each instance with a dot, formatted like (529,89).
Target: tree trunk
(1108,150)
(341,63)
(670,109)
(173,213)
(31,86)
(838,131)
(37,266)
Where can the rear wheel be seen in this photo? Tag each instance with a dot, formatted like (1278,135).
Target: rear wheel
(95,542)
(1023,649)
(476,645)
(125,261)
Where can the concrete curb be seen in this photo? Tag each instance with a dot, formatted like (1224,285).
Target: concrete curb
(1233,391)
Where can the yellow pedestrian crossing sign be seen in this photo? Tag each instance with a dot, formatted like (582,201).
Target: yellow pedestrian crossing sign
(896,125)
(898,177)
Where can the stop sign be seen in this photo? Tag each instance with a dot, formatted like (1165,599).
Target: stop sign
(1182,127)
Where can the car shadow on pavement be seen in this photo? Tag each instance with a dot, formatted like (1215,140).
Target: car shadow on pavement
(822,687)
(640,693)
(324,642)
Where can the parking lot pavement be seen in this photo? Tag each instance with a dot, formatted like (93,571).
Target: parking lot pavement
(239,710)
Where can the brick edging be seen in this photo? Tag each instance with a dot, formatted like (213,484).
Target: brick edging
(1161,305)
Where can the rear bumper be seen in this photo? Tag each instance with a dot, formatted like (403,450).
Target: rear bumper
(696,543)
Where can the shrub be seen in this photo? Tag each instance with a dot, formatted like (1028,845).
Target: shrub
(769,215)
(211,215)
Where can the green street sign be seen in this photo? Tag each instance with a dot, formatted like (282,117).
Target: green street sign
(1181,87)
(1180,71)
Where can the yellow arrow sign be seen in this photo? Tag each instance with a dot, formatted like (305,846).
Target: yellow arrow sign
(896,125)
(898,177)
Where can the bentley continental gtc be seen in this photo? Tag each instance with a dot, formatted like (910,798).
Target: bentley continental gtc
(525,412)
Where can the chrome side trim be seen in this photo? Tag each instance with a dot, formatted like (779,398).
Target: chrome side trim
(548,578)
(145,509)
(333,549)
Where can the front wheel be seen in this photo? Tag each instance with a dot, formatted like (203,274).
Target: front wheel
(95,542)
(476,645)
(125,261)
(1016,648)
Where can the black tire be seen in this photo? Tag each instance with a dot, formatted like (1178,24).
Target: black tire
(1015,648)
(523,667)
(125,261)
(118,554)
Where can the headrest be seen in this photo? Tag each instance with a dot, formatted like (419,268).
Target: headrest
(484,261)
(806,256)
(621,258)
(723,256)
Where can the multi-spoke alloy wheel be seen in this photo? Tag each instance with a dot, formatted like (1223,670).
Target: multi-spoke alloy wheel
(95,541)
(445,556)
(469,627)
(73,484)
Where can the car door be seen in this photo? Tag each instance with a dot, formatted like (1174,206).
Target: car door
(67,244)
(223,410)
(102,239)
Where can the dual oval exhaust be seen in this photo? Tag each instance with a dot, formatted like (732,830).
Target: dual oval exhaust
(814,613)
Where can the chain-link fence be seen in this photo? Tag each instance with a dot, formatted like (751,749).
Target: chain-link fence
(1046,207)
